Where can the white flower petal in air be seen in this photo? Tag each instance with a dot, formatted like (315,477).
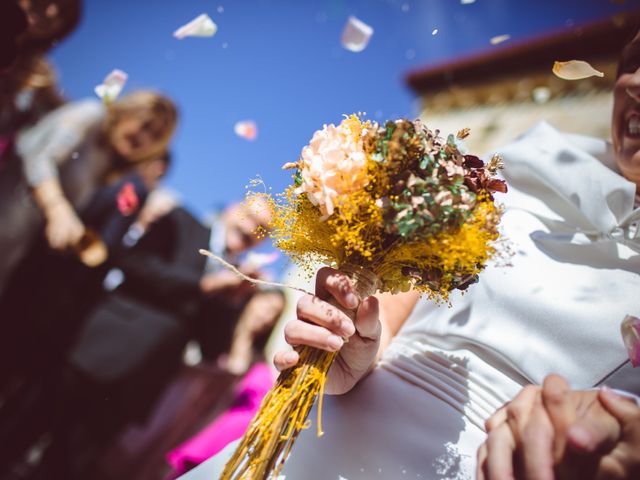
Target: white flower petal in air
(201,26)
(260,260)
(499,39)
(575,70)
(356,35)
(246,129)
(112,85)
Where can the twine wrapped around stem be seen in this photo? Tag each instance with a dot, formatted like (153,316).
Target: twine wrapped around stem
(267,442)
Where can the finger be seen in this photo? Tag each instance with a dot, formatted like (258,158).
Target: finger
(481,462)
(501,446)
(286,359)
(519,409)
(368,319)
(298,332)
(496,419)
(331,283)
(599,429)
(312,309)
(625,409)
(557,402)
(537,443)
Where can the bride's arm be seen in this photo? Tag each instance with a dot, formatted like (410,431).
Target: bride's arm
(394,311)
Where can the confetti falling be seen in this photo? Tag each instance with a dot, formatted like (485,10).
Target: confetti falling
(575,70)
(257,261)
(499,39)
(246,129)
(112,86)
(435,31)
(201,26)
(467,2)
(356,35)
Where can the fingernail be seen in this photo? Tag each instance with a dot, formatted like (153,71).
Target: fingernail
(291,357)
(609,392)
(334,342)
(348,328)
(352,300)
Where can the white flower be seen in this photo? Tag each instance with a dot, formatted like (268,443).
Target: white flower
(333,166)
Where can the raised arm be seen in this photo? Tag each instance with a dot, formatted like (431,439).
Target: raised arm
(42,149)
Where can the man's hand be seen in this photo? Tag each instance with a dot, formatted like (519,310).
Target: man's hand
(64,228)
(335,320)
(553,432)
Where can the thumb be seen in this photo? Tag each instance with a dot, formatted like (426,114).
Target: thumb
(597,431)
(624,409)
(368,319)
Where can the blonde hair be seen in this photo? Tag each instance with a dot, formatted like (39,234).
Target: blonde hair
(143,103)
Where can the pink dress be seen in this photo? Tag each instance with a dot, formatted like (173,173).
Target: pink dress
(229,426)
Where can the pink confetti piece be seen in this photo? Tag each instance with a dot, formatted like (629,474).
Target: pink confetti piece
(246,129)
(112,86)
(201,26)
(630,329)
(127,199)
(356,35)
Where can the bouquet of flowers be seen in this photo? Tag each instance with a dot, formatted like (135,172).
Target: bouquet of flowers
(394,206)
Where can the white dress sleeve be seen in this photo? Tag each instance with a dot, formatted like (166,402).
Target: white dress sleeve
(53,139)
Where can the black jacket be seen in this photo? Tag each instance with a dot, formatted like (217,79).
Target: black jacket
(140,329)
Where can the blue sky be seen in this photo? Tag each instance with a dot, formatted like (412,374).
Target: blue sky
(280,63)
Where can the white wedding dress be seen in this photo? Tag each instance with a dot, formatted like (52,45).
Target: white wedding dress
(574,276)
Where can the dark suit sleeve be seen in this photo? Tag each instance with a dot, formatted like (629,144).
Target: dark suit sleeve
(151,273)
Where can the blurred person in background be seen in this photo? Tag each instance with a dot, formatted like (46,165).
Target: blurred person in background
(46,302)
(204,406)
(245,358)
(28,89)
(70,153)
(132,342)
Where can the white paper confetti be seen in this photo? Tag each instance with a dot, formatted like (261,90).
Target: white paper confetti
(356,35)
(499,39)
(201,26)
(246,129)
(257,261)
(435,31)
(575,70)
(467,2)
(112,86)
